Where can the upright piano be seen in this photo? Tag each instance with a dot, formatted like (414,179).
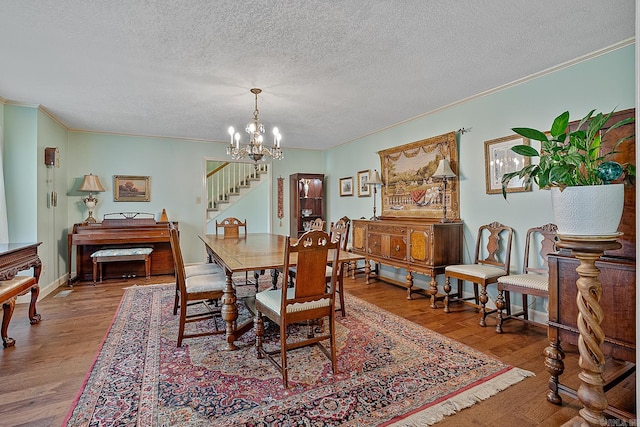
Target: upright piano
(121,230)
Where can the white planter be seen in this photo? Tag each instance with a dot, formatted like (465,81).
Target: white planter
(593,210)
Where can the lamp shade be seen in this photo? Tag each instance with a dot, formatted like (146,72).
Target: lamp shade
(444,170)
(91,184)
(374,178)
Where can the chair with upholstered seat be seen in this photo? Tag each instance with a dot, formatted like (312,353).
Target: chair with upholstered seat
(201,269)
(490,263)
(201,288)
(316,224)
(534,279)
(340,232)
(308,300)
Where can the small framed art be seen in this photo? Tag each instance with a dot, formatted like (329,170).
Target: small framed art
(127,188)
(500,159)
(364,189)
(346,186)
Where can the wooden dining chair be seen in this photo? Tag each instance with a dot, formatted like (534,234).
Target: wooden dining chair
(316,224)
(339,232)
(201,289)
(308,300)
(490,263)
(231,227)
(200,269)
(534,279)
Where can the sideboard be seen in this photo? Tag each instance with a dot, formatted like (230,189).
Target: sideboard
(419,246)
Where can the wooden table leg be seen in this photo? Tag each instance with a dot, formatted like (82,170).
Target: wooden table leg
(590,315)
(7,308)
(229,312)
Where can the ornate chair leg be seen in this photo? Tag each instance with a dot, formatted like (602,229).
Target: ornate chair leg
(499,307)
(34,316)
(447,289)
(483,303)
(259,329)
(7,308)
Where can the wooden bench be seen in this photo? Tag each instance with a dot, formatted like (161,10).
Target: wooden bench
(10,290)
(122,254)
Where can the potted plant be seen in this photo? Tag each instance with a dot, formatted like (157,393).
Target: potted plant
(572,165)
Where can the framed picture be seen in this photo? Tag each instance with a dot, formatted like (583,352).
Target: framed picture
(346,186)
(128,188)
(364,189)
(500,159)
(410,190)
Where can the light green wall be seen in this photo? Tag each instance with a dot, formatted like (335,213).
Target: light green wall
(28,183)
(52,220)
(21,172)
(603,83)
(177,167)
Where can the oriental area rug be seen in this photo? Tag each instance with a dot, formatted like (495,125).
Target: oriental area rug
(391,372)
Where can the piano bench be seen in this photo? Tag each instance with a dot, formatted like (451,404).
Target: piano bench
(9,291)
(123,254)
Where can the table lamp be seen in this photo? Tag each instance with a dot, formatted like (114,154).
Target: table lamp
(444,172)
(91,184)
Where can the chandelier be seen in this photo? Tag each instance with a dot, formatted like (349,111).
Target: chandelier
(255,150)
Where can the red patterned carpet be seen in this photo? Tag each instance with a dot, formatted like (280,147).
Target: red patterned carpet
(392,372)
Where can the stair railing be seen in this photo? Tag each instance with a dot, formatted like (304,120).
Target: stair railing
(227,179)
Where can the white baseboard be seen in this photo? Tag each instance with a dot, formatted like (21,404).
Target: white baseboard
(44,290)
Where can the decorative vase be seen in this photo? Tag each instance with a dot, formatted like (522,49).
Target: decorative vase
(591,210)
(306,188)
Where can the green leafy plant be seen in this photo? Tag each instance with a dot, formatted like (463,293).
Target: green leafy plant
(570,158)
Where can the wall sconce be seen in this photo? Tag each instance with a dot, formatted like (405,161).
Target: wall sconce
(444,172)
(91,184)
(375,182)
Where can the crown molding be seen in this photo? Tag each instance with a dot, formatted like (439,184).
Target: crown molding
(575,61)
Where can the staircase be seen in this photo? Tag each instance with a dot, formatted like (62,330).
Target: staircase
(229,182)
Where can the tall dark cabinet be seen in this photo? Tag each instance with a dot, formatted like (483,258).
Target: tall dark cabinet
(307,201)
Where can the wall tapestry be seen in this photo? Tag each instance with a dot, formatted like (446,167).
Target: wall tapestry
(409,189)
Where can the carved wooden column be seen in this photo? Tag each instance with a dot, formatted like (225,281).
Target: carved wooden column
(588,249)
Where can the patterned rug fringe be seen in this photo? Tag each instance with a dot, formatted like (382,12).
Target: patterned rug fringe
(464,399)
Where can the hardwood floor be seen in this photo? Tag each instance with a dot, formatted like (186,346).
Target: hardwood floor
(42,374)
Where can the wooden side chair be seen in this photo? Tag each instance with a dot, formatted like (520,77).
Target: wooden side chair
(339,232)
(201,269)
(534,279)
(316,224)
(231,227)
(309,300)
(194,289)
(490,263)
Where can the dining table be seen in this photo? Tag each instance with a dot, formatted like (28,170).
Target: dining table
(253,252)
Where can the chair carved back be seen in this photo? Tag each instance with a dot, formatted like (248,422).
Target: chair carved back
(340,231)
(231,227)
(548,234)
(498,249)
(317,224)
(312,251)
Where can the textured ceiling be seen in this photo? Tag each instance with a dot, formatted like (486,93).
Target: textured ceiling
(331,71)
